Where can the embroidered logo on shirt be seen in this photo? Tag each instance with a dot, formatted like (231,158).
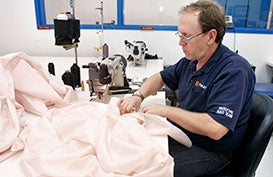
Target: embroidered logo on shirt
(225,111)
(198,84)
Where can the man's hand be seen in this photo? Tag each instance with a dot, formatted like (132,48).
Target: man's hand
(129,104)
(157,109)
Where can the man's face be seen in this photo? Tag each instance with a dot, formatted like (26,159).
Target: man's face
(192,40)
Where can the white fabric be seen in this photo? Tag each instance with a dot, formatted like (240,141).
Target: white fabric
(62,138)
(92,139)
(35,88)
(25,86)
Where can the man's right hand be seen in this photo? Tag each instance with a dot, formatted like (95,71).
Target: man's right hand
(129,104)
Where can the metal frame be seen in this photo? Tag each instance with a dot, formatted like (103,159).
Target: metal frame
(41,22)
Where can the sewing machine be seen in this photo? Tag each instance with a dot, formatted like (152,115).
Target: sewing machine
(107,77)
(137,51)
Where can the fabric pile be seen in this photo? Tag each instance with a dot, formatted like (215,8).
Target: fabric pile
(62,137)
(26,87)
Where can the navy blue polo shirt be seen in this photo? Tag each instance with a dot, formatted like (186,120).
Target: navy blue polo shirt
(222,88)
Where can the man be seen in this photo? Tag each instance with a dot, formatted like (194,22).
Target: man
(215,88)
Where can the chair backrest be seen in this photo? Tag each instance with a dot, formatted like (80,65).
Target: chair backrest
(256,138)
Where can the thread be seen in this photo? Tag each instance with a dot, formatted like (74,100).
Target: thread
(105,51)
(98,40)
(68,79)
(75,70)
(51,68)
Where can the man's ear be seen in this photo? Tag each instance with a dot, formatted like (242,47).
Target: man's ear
(212,36)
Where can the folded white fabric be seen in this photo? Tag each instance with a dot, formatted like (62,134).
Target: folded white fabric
(35,88)
(26,86)
(157,125)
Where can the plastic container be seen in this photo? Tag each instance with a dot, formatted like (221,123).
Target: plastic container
(62,16)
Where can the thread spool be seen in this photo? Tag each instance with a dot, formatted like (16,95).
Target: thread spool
(105,51)
(68,79)
(75,70)
(51,68)
(62,16)
(83,86)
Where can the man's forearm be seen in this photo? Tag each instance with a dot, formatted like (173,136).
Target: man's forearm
(151,85)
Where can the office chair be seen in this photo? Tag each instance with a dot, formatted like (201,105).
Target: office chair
(255,141)
(264,88)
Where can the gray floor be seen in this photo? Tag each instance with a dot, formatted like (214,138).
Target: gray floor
(265,169)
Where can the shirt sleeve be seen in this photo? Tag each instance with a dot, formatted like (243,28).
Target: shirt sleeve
(228,96)
(170,75)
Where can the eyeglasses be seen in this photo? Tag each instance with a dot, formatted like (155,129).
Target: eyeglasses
(187,39)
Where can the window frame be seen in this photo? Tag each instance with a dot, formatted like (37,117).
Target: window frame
(41,23)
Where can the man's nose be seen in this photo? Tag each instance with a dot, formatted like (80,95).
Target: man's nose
(182,42)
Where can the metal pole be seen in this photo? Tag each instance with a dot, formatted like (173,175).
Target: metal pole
(101,13)
(269,16)
(72,5)
(76,54)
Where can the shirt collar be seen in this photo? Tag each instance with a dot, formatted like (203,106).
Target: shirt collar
(212,60)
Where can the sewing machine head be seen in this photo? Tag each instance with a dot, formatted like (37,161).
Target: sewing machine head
(107,76)
(137,51)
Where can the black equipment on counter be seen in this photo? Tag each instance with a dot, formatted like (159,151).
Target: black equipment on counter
(67,32)
(68,79)
(51,68)
(104,75)
(75,70)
